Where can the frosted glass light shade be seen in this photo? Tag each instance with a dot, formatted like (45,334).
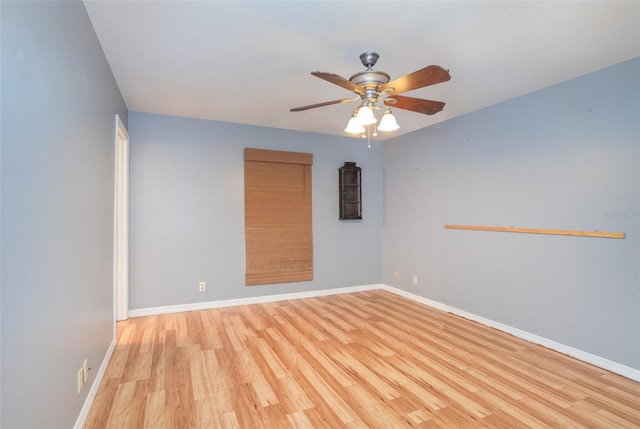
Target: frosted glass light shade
(388,122)
(365,115)
(354,126)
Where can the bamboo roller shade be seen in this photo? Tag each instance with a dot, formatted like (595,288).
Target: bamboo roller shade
(278,223)
(540,231)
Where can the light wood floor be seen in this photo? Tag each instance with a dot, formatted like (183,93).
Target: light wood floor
(367,359)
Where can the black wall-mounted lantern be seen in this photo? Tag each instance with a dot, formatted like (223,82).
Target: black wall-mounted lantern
(350,188)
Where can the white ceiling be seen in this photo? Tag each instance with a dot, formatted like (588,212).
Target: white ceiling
(250,62)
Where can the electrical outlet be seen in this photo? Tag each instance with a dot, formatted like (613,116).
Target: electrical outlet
(415,280)
(202,286)
(396,275)
(85,370)
(80,379)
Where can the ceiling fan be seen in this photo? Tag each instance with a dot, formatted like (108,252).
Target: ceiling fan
(372,86)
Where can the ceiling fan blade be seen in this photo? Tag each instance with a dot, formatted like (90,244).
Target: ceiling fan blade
(326,103)
(428,107)
(339,80)
(429,75)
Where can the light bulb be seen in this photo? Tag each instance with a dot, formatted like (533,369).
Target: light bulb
(388,122)
(354,126)
(365,115)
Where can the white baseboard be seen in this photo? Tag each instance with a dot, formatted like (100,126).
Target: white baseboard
(625,371)
(151,311)
(86,407)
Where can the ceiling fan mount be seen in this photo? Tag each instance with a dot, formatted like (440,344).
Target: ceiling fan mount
(369,59)
(372,86)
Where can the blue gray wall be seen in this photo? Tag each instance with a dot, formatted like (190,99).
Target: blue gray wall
(59,101)
(566,157)
(187,210)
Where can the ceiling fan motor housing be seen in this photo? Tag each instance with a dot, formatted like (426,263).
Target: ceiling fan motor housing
(369,80)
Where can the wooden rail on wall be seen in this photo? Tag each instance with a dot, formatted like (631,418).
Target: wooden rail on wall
(540,231)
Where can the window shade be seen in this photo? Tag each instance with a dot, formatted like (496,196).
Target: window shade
(278,223)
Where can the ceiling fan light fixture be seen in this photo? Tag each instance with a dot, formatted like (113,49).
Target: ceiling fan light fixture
(354,126)
(365,115)
(388,122)
(373,86)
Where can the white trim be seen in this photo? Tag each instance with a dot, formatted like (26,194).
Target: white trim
(151,311)
(88,402)
(121,223)
(617,368)
(625,371)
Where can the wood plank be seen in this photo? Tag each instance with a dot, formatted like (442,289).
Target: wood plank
(568,232)
(406,365)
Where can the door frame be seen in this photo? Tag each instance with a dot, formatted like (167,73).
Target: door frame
(121,224)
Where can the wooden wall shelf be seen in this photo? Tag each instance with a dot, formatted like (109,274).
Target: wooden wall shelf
(539,231)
